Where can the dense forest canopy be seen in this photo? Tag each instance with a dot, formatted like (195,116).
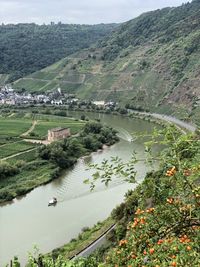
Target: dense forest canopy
(26,48)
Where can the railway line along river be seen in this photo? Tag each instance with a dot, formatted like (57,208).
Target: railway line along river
(29,221)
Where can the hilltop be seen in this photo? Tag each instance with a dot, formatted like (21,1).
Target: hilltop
(150,62)
(26,48)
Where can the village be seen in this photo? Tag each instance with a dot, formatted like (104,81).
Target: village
(9,96)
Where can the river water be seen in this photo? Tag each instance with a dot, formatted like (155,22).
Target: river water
(29,221)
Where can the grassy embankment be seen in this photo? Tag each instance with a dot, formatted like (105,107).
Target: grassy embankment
(84,239)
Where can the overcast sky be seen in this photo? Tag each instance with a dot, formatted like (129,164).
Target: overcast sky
(78,11)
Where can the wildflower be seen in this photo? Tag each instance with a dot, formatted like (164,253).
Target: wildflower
(136,221)
(160,241)
(188,248)
(143,220)
(184,239)
(150,210)
(139,211)
(174,264)
(171,172)
(152,250)
(170,200)
(145,253)
(123,242)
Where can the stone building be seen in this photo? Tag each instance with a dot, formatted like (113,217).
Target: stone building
(58,134)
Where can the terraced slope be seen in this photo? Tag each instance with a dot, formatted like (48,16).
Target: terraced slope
(150,62)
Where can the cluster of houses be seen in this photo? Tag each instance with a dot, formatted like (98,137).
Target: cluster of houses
(9,96)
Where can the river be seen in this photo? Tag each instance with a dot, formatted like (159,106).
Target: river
(28,221)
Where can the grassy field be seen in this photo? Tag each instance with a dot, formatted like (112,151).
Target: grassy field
(13,127)
(41,129)
(14,148)
(33,85)
(46,122)
(26,157)
(34,171)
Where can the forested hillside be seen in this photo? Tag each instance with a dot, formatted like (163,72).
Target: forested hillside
(150,62)
(26,48)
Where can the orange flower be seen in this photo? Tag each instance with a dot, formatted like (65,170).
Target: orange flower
(171,172)
(174,264)
(188,248)
(133,257)
(170,200)
(173,257)
(160,241)
(123,242)
(139,211)
(152,250)
(136,221)
(145,253)
(184,239)
(143,220)
(150,210)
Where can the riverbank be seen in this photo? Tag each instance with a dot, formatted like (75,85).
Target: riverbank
(77,206)
(51,161)
(73,248)
(84,239)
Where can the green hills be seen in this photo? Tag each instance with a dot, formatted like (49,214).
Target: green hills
(151,62)
(26,48)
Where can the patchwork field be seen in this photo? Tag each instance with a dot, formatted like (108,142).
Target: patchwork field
(10,127)
(46,122)
(29,170)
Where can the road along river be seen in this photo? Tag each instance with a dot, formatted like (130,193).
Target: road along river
(29,221)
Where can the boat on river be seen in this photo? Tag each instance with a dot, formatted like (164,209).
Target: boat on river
(52,202)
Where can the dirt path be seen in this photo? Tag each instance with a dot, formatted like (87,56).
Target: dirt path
(18,154)
(35,141)
(31,129)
